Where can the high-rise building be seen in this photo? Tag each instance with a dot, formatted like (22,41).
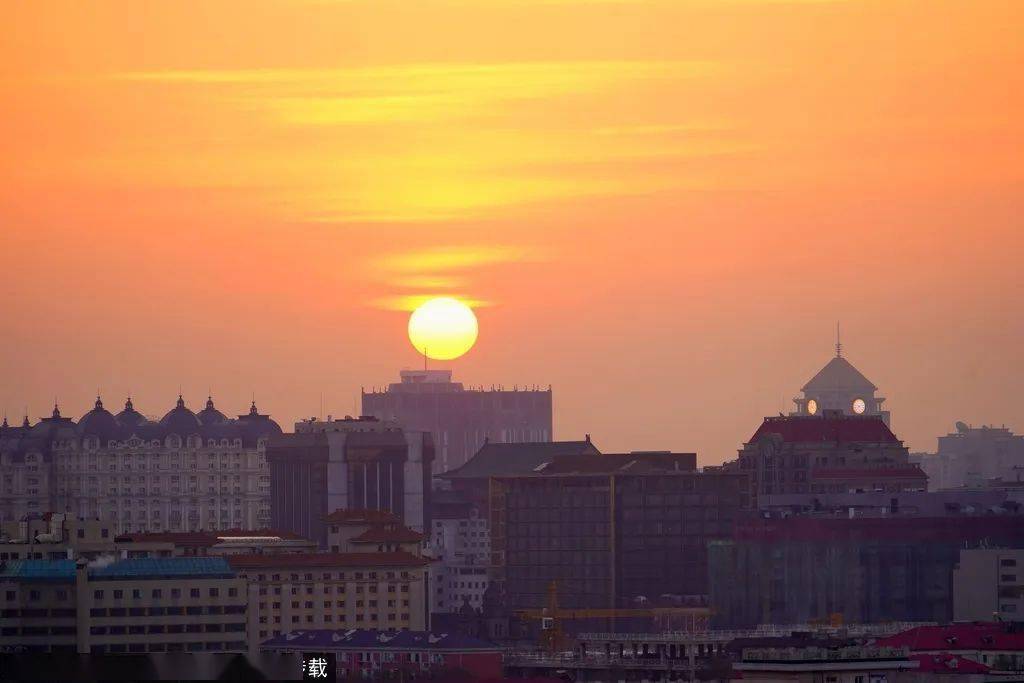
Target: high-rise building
(186,471)
(460,419)
(349,464)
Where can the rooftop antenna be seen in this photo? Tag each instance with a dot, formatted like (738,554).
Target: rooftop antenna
(839,343)
(424,358)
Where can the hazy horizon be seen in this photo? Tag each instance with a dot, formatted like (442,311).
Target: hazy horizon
(660,208)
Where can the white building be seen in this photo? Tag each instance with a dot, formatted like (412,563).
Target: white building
(186,472)
(840,386)
(460,542)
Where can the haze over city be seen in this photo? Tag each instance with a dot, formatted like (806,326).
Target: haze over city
(660,209)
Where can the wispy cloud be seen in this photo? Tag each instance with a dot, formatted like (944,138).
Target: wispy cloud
(425,273)
(412,92)
(443,259)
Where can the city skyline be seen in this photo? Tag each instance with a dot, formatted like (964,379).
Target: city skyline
(683,194)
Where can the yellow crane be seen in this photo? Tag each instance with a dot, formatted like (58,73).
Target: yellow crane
(552,616)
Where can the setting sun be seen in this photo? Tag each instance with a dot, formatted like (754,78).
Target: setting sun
(443,328)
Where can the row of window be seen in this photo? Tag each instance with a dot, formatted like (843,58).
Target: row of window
(340,590)
(157,593)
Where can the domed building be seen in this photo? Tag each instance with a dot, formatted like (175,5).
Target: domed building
(210,415)
(184,472)
(840,386)
(99,423)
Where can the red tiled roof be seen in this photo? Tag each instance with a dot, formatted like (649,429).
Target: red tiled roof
(957,638)
(343,560)
(815,428)
(944,662)
(361,517)
(869,473)
(392,533)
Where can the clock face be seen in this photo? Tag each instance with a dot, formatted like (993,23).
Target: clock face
(859,406)
(812,407)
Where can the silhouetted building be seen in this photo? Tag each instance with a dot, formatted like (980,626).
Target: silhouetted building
(350,464)
(460,419)
(610,529)
(794,566)
(187,471)
(830,452)
(975,457)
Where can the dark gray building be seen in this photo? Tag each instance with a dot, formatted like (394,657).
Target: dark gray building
(611,530)
(460,419)
(350,464)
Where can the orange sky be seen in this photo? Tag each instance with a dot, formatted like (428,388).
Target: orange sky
(660,208)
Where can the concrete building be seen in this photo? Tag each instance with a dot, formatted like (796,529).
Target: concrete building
(369,654)
(611,530)
(349,464)
(988,584)
(184,472)
(828,452)
(461,419)
(378,590)
(126,606)
(840,386)
(796,566)
(975,457)
(460,545)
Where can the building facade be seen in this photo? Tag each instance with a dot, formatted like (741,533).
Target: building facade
(126,606)
(611,530)
(378,590)
(829,452)
(461,420)
(819,565)
(348,464)
(988,584)
(187,471)
(460,546)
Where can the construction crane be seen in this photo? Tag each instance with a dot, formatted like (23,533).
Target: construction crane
(552,616)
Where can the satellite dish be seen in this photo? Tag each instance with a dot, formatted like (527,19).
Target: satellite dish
(961,427)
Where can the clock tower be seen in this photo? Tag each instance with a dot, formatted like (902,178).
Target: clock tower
(840,386)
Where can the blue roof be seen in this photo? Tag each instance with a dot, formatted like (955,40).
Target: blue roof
(142,568)
(164,567)
(39,570)
(372,639)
